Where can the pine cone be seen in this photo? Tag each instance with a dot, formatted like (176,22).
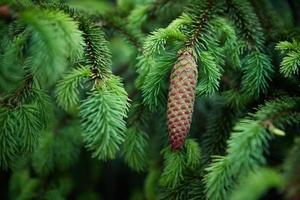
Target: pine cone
(183,80)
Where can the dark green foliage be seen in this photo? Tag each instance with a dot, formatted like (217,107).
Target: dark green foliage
(135,149)
(61,149)
(96,53)
(258,71)
(22,186)
(291,166)
(89,79)
(21,126)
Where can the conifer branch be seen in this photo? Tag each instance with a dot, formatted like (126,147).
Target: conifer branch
(291,61)
(243,16)
(97,54)
(67,91)
(200,23)
(246,146)
(102,118)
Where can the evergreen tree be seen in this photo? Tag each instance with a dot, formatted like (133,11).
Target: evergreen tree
(149,99)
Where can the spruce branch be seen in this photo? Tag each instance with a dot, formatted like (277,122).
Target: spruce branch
(291,60)
(176,163)
(174,167)
(209,74)
(67,89)
(154,89)
(258,70)
(22,186)
(97,55)
(102,118)
(60,146)
(246,145)
(11,66)
(155,43)
(44,25)
(219,126)
(200,22)
(245,19)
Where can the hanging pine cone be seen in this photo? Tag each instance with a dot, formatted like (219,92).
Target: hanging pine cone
(183,80)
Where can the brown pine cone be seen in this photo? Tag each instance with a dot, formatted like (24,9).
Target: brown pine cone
(183,80)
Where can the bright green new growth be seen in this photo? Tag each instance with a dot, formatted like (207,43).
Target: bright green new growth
(43,26)
(291,61)
(154,88)
(102,118)
(174,168)
(179,162)
(67,89)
